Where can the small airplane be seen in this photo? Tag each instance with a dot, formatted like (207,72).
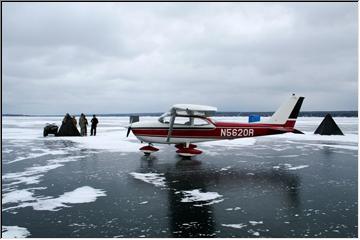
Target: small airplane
(186,124)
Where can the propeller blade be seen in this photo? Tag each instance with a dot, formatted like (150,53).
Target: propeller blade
(128,131)
(132,119)
(172,120)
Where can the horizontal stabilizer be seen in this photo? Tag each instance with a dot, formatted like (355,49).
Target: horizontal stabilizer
(297,131)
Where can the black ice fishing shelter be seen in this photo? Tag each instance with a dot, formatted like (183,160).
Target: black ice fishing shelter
(328,127)
(68,128)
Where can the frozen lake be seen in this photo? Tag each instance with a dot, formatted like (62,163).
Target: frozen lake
(287,185)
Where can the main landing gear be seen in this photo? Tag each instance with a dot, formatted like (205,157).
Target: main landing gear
(187,150)
(147,150)
(184,149)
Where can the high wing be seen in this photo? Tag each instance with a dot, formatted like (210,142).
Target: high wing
(190,110)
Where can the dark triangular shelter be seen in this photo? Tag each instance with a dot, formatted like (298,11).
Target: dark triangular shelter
(328,127)
(68,128)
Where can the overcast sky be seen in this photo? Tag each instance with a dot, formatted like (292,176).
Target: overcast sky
(145,57)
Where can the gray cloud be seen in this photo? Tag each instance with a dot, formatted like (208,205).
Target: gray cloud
(143,57)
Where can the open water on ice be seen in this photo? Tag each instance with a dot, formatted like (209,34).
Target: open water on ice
(277,186)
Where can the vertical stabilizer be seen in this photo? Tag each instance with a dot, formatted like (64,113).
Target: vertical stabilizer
(288,112)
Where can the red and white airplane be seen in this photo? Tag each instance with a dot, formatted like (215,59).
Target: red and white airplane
(185,124)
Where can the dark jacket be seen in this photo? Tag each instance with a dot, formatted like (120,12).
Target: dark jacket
(94,122)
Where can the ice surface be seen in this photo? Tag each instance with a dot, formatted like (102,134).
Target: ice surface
(309,136)
(14,232)
(29,175)
(347,147)
(25,137)
(83,194)
(35,155)
(32,175)
(239,226)
(230,143)
(156,179)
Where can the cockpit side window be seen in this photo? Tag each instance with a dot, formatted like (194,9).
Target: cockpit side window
(183,121)
(200,122)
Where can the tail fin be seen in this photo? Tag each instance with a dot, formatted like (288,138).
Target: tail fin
(287,114)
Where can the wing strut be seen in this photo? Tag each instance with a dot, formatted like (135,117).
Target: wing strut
(172,120)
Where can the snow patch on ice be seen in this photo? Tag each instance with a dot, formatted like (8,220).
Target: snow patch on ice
(298,167)
(254,233)
(156,179)
(197,196)
(238,226)
(83,194)
(18,196)
(288,166)
(253,223)
(14,232)
(225,168)
(114,141)
(233,209)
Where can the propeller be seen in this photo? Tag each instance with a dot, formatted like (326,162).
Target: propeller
(128,131)
(172,120)
(129,127)
(133,119)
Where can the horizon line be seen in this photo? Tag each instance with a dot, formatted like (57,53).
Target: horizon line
(155,113)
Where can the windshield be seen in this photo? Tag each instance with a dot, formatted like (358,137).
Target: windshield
(165,118)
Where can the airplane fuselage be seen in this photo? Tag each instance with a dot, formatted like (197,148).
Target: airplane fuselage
(157,132)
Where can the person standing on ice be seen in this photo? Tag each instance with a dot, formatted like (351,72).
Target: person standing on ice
(66,118)
(74,120)
(83,125)
(94,122)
